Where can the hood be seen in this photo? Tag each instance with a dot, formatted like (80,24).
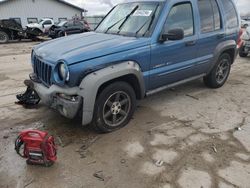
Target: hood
(86,46)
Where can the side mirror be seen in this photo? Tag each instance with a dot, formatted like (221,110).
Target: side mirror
(173,34)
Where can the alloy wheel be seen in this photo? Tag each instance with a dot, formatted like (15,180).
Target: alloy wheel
(222,70)
(116,108)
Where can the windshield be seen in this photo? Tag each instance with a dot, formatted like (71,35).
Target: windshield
(40,21)
(61,23)
(131,19)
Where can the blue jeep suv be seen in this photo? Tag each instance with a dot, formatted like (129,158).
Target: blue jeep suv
(138,49)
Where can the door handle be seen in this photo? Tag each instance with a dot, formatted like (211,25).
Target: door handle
(220,36)
(191,43)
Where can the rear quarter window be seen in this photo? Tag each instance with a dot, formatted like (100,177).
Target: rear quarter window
(210,17)
(230,13)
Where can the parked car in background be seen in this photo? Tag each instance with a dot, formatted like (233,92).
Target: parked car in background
(10,29)
(138,49)
(68,28)
(245,23)
(42,26)
(245,47)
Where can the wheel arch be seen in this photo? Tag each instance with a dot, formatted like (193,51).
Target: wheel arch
(229,47)
(95,82)
(131,79)
(231,52)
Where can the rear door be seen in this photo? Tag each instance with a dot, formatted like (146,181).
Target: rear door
(211,33)
(173,61)
(78,27)
(69,28)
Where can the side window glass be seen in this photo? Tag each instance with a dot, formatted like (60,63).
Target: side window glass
(231,15)
(48,22)
(181,17)
(70,24)
(78,24)
(206,16)
(217,15)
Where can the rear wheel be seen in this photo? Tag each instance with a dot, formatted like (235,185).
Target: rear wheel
(219,74)
(114,107)
(4,38)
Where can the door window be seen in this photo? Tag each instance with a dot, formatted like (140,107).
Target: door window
(217,15)
(210,18)
(181,17)
(47,22)
(78,24)
(70,24)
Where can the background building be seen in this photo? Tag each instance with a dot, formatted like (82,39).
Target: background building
(28,11)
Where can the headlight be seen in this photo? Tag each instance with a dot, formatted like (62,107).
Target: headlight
(63,72)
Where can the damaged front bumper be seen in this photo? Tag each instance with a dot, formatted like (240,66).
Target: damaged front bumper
(67,101)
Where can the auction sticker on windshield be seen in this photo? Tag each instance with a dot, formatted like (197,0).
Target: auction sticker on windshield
(142,13)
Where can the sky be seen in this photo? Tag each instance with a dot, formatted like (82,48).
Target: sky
(101,7)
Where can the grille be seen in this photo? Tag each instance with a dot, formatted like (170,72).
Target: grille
(43,71)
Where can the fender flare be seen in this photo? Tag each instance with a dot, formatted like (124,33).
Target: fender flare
(92,82)
(226,45)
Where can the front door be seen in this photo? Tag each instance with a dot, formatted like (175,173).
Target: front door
(173,61)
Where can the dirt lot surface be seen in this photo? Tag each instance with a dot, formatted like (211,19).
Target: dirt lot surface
(190,128)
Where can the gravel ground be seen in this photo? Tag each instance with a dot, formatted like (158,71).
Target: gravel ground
(190,128)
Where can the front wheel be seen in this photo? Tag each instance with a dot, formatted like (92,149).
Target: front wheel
(219,74)
(114,107)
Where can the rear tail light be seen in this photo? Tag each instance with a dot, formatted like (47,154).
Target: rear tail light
(240,41)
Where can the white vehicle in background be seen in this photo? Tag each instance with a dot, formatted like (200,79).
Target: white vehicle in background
(245,23)
(42,26)
(245,48)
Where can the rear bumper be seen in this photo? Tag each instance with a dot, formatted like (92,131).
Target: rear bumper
(66,101)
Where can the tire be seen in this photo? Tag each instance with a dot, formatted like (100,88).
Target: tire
(4,38)
(242,53)
(60,34)
(220,72)
(114,107)
(245,26)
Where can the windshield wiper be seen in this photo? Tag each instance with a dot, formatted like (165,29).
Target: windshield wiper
(151,22)
(110,27)
(141,28)
(127,17)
